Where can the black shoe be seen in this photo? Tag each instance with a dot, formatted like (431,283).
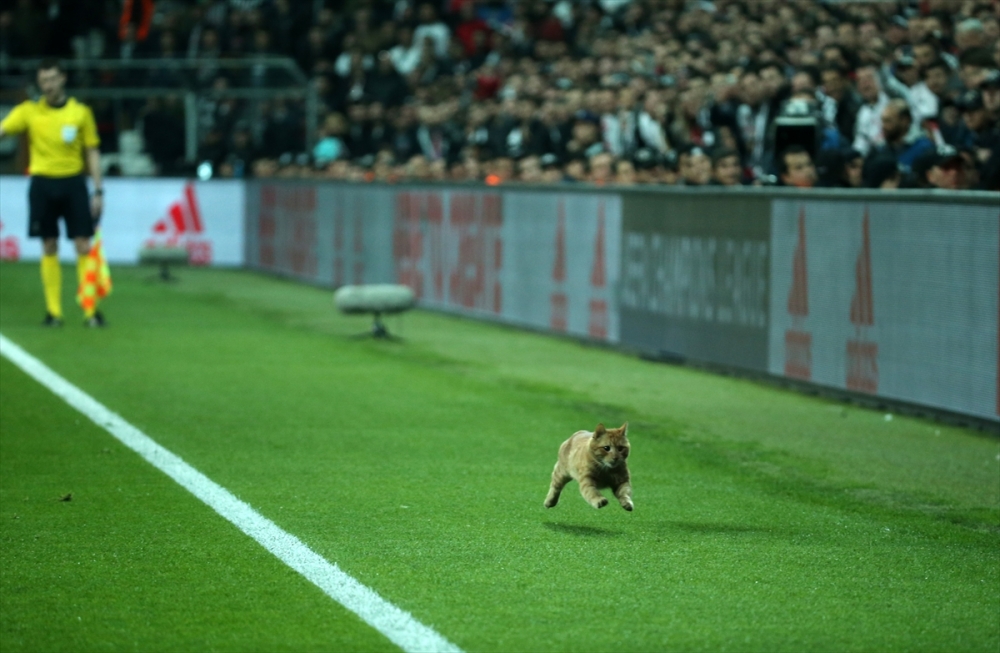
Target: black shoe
(95,321)
(51,321)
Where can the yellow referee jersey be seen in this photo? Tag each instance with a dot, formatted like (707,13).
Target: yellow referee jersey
(56,136)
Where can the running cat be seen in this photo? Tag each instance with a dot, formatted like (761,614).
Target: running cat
(595,460)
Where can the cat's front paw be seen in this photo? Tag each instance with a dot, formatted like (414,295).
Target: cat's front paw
(600,503)
(628,506)
(549,503)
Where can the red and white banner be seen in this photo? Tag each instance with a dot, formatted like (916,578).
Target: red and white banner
(538,259)
(888,298)
(204,217)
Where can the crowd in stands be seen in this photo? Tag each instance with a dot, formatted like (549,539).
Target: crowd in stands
(800,93)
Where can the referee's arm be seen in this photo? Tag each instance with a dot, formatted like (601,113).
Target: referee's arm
(14,123)
(92,158)
(93,155)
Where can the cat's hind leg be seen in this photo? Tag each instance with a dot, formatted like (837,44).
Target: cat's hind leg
(559,480)
(589,491)
(624,495)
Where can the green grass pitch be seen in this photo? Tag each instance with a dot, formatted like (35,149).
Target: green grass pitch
(765,520)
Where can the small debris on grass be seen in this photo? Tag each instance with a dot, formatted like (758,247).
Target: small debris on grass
(66,497)
(888,417)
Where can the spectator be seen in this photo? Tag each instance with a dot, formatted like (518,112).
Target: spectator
(11,42)
(585,140)
(837,87)
(977,122)
(969,34)
(357,136)
(903,140)
(380,131)
(839,168)
(937,77)
(648,166)
(208,52)
(431,135)
(988,148)
(405,54)
(973,66)
(576,170)
(649,123)
(881,171)
(625,174)
(692,123)
(554,131)
(313,50)
(753,117)
(432,28)
(990,88)
(601,168)
(556,83)
(163,133)
(551,172)
(940,167)
(330,146)
(726,167)
(469,26)
(404,133)
(896,32)
(868,124)
(694,166)
(384,84)
(529,170)
(795,167)
(905,81)
(281,133)
(241,152)
(925,53)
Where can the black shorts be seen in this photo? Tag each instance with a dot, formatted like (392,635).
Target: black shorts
(51,198)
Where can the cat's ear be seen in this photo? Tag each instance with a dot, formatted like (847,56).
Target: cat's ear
(624,428)
(599,431)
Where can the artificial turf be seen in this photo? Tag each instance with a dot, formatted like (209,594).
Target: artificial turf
(765,520)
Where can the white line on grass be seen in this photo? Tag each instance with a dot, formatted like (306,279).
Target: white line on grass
(396,624)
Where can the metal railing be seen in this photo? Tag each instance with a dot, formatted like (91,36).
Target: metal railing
(256,78)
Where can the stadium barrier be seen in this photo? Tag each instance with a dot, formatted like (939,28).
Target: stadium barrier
(205,218)
(887,296)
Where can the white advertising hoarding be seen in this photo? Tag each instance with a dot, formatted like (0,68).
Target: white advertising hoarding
(892,299)
(333,234)
(204,217)
(540,259)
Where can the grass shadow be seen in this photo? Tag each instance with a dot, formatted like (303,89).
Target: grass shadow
(715,528)
(581,531)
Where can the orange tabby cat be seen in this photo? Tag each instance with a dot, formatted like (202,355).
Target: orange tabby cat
(596,461)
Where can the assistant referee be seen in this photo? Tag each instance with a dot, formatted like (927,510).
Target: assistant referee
(63,144)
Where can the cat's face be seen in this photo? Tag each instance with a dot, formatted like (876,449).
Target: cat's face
(610,446)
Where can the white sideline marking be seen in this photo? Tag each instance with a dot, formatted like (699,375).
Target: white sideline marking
(399,626)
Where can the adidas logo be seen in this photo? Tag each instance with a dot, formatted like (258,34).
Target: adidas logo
(798,340)
(10,248)
(181,226)
(183,217)
(862,354)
